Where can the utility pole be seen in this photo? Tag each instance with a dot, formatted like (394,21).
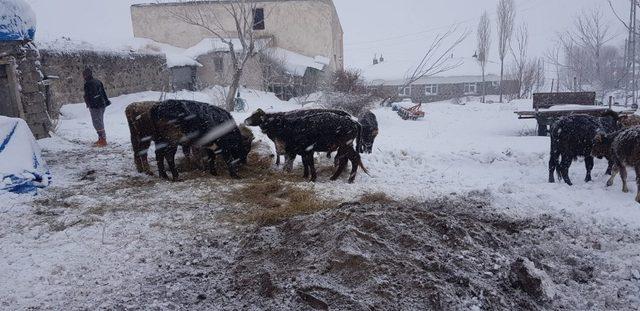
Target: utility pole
(633,46)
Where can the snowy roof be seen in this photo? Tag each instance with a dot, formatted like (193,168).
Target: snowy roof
(295,63)
(177,57)
(17,21)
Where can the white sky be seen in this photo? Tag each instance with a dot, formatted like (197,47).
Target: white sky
(399,29)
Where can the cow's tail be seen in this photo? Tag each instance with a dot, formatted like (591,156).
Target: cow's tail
(361,165)
(359,147)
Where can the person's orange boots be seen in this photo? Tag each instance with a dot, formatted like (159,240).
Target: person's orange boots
(102,140)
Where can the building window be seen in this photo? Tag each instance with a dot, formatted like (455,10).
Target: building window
(404,91)
(431,89)
(218,64)
(258,19)
(469,88)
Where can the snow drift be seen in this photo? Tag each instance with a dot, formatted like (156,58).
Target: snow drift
(22,169)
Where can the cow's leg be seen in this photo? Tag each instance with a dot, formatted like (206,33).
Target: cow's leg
(341,162)
(329,155)
(355,161)
(160,154)
(565,163)
(637,168)
(211,155)
(312,167)
(232,165)
(277,159)
(186,150)
(305,165)
(143,154)
(288,162)
(614,172)
(553,164)
(171,160)
(588,163)
(623,176)
(609,167)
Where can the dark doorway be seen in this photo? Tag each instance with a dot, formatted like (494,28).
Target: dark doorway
(8,105)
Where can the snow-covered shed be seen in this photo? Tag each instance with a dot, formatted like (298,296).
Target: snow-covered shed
(22,86)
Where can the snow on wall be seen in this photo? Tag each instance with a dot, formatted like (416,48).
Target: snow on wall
(17,21)
(22,168)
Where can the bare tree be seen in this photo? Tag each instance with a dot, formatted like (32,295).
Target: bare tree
(438,58)
(506,18)
(521,66)
(592,33)
(553,56)
(225,20)
(484,46)
(539,74)
(587,55)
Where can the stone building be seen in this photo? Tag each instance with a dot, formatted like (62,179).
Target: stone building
(23,87)
(306,27)
(298,42)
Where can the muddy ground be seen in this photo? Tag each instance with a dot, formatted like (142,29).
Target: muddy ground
(117,240)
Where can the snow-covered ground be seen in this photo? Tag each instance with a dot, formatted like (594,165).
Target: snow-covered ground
(101,226)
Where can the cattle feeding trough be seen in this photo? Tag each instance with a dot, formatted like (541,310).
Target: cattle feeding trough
(579,103)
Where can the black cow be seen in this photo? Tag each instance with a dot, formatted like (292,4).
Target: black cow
(191,123)
(572,137)
(369,124)
(297,114)
(319,132)
(623,148)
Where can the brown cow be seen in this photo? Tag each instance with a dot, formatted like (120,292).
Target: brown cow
(141,129)
(624,149)
(627,121)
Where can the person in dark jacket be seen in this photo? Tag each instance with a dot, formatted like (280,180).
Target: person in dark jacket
(96,99)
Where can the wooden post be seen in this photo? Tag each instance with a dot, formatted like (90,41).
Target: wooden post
(575,84)
(552,83)
(610,101)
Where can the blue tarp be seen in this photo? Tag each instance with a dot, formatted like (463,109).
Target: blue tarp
(17,21)
(22,169)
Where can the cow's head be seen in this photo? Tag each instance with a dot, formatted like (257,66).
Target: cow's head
(368,137)
(247,140)
(256,119)
(602,145)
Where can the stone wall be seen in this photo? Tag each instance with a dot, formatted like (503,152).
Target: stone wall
(121,73)
(26,87)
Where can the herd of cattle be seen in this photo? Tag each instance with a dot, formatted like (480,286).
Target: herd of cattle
(205,131)
(610,136)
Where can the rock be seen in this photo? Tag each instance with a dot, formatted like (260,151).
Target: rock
(202,297)
(533,281)
(312,301)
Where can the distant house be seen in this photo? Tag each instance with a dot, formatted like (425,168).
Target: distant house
(389,76)
(301,36)
(437,88)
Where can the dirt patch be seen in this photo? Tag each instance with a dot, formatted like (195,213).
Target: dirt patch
(270,202)
(375,197)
